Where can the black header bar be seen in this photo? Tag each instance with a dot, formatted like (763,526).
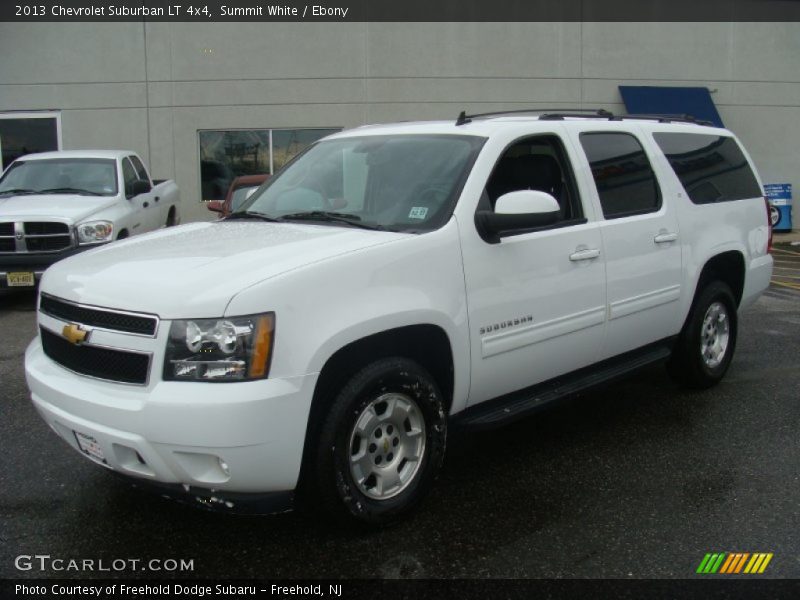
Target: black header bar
(400,10)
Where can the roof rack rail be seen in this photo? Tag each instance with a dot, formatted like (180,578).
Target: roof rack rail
(464,118)
(665,118)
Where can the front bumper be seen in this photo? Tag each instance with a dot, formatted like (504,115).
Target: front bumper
(207,440)
(35,263)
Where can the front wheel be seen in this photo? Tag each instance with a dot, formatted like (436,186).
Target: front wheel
(381,444)
(705,347)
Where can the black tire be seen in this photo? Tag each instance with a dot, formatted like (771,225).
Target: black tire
(688,364)
(170,218)
(122,234)
(329,482)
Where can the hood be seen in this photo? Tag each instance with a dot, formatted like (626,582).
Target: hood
(72,207)
(194,270)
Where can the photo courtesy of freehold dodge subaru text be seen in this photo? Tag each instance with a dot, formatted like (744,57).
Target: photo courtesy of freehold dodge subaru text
(392,283)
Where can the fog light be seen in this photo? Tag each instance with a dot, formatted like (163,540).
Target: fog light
(224,466)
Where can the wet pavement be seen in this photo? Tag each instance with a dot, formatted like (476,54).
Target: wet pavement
(640,479)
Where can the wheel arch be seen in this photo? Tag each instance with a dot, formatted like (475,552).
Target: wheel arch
(425,343)
(728,267)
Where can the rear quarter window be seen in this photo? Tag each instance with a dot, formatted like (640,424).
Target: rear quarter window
(711,168)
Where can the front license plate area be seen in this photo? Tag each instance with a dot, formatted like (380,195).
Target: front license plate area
(20,279)
(89,446)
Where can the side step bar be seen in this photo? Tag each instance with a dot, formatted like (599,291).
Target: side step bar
(522,403)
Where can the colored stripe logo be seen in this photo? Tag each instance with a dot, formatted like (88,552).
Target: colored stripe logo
(734,563)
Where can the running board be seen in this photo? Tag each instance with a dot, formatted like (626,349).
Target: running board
(516,405)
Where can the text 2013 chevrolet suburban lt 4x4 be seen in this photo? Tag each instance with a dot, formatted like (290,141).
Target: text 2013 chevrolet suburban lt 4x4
(390,282)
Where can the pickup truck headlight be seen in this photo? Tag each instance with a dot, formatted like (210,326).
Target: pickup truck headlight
(95,232)
(226,349)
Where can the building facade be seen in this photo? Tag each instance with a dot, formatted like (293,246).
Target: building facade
(204,102)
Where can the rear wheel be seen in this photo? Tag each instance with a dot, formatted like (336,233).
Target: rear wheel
(381,444)
(705,347)
(171,217)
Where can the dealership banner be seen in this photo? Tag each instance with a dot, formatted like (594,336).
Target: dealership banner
(400,10)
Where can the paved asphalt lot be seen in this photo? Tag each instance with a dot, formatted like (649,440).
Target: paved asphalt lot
(638,480)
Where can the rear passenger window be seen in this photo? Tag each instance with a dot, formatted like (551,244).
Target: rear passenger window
(712,168)
(622,173)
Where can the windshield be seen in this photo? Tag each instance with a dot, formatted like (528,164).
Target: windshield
(92,176)
(399,182)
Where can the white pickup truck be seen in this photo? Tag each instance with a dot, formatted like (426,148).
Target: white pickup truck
(55,204)
(389,283)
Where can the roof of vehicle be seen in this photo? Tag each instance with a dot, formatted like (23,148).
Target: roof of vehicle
(246,180)
(78,154)
(486,126)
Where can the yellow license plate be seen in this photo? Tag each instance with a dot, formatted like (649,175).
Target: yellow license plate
(21,279)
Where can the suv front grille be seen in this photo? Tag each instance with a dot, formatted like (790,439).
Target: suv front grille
(101,363)
(96,317)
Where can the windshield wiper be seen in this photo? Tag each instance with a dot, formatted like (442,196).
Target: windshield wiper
(246,214)
(332,217)
(68,190)
(19,191)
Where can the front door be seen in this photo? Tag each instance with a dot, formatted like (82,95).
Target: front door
(537,300)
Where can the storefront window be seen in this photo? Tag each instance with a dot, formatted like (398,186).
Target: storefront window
(225,155)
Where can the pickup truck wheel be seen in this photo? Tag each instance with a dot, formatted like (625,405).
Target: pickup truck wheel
(381,445)
(705,347)
(171,218)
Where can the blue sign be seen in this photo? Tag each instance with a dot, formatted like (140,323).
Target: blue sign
(780,200)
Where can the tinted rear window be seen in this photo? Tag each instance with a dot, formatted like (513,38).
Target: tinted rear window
(711,168)
(622,173)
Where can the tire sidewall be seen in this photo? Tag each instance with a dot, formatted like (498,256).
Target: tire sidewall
(388,375)
(714,292)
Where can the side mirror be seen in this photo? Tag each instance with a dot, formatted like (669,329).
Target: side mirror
(140,186)
(517,212)
(215,206)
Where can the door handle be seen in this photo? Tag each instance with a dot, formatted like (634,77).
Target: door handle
(663,238)
(145,204)
(584,254)
(157,198)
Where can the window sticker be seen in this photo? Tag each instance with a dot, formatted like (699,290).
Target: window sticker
(418,212)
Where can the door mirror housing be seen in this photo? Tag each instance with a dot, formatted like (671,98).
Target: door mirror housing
(517,212)
(140,186)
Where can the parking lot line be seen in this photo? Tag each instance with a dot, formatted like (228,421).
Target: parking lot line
(781,250)
(787,285)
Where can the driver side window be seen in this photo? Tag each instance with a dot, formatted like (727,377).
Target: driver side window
(129,176)
(536,163)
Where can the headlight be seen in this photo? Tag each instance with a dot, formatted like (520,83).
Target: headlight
(227,349)
(95,232)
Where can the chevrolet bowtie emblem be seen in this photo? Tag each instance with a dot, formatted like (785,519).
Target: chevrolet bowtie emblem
(74,334)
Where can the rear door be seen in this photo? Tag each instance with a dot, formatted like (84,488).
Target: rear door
(641,237)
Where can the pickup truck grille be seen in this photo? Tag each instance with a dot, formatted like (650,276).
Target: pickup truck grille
(93,361)
(98,317)
(34,236)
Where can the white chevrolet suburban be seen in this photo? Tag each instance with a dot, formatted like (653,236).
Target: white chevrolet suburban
(56,204)
(393,281)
